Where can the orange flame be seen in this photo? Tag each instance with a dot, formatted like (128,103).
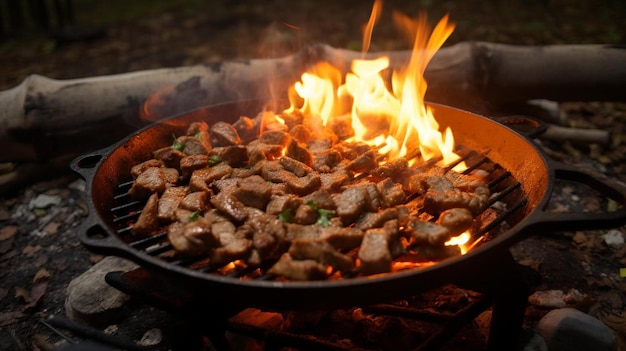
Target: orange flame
(461,241)
(407,122)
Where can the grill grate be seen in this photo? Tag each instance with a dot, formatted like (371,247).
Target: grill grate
(502,185)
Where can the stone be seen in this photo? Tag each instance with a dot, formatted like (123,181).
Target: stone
(568,329)
(91,300)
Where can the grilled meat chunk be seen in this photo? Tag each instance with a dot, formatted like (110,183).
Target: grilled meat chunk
(436,202)
(351,203)
(321,252)
(190,163)
(342,238)
(223,134)
(193,145)
(294,166)
(230,206)
(169,156)
(298,269)
(299,152)
(391,193)
(201,178)
(304,185)
(170,201)
(197,201)
(192,238)
(136,170)
(275,137)
(148,220)
(374,253)
(152,180)
(253,191)
(428,232)
(456,220)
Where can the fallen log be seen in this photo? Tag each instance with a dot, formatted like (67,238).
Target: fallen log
(44,118)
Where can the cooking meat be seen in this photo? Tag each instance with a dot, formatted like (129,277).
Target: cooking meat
(456,220)
(428,232)
(294,166)
(292,269)
(170,201)
(321,252)
(151,180)
(374,253)
(299,198)
(148,220)
(223,134)
(192,238)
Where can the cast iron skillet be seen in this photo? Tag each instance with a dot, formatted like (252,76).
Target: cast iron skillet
(103,170)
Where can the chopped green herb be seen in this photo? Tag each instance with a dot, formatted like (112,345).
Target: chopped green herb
(611,205)
(214,159)
(622,272)
(286,216)
(312,205)
(194,216)
(325,216)
(177,145)
(199,135)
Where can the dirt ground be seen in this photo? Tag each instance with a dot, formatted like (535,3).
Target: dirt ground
(39,252)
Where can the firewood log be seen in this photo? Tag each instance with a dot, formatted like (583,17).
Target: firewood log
(44,118)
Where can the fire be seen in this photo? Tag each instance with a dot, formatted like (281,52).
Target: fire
(408,123)
(461,241)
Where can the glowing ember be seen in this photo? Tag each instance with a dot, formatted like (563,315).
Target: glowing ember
(461,241)
(407,123)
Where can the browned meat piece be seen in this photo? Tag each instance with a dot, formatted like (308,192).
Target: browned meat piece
(342,238)
(198,127)
(192,162)
(169,156)
(233,244)
(246,128)
(294,166)
(268,121)
(192,238)
(333,181)
(305,214)
(235,155)
(292,118)
(258,152)
(280,203)
(298,231)
(391,169)
(201,178)
(320,199)
(363,163)
(230,206)
(224,134)
(350,151)
(351,203)
(152,180)
(422,182)
(428,232)
(148,220)
(342,126)
(457,220)
(325,160)
(136,170)
(301,133)
(269,236)
(273,172)
(193,145)
(275,137)
(171,175)
(197,201)
(299,152)
(253,191)
(170,201)
(374,254)
(467,183)
(436,202)
(392,193)
(376,219)
(321,252)
(304,185)
(374,200)
(298,269)
(242,172)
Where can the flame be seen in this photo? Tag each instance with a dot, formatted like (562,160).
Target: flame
(396,120)
(461,241)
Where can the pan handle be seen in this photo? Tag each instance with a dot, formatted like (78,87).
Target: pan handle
(97,240)
(548,221)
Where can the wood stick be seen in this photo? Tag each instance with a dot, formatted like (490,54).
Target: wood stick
(43,118)
(576,135)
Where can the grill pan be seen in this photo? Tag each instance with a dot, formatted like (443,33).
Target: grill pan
(106,169)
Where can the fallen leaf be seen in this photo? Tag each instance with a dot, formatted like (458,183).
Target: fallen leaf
(23,294)
(52,228)
(6,245)
(8,232)
(3,293)
(41,275)
(8,318)
(37,293)
(31,250)
(580,239)
(40,261)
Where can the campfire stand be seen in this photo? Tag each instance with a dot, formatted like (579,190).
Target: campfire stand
(505,289)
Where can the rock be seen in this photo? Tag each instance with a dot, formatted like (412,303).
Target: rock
(568,329)
(152,337)
(535,343)
(556,298)
(91,300)
(44,201)
(614,238)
